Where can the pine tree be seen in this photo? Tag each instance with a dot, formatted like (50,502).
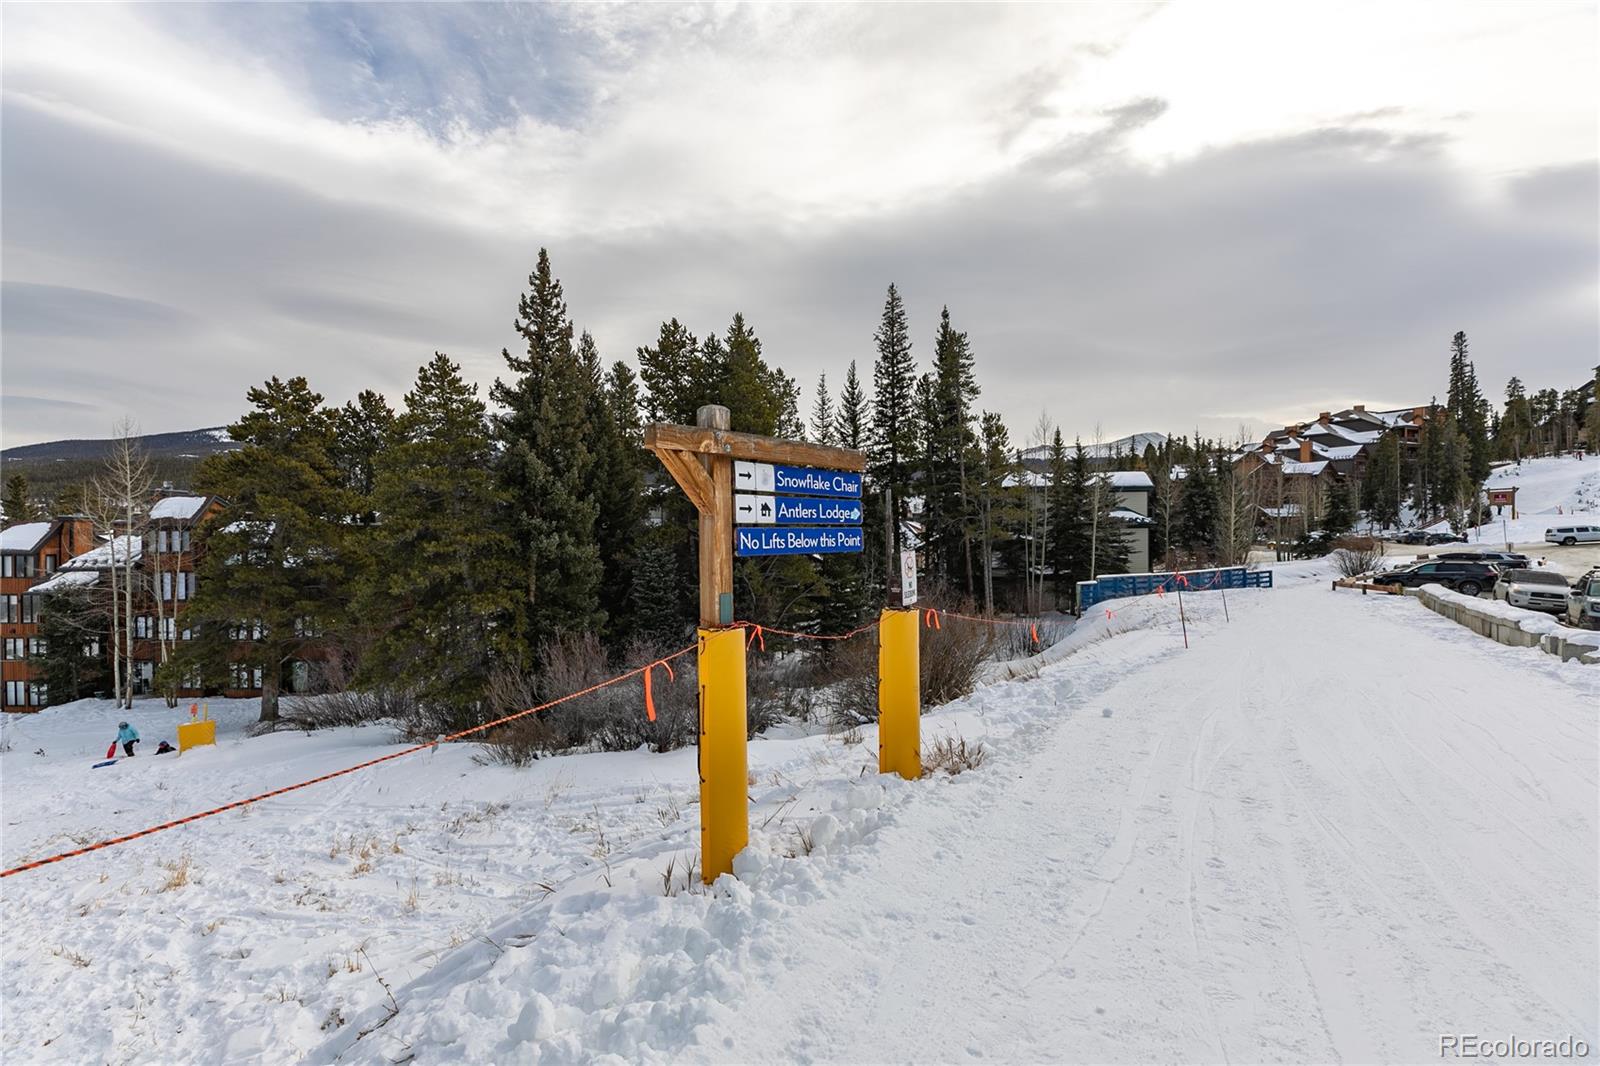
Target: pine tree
(616,441)
(851,425)
(1516,427)
(18,505)
(445,584)
(1429,488)
(1340,515)
(893,446)
(1194,529)
(675,376)
(1070,551)
(659,615)
(546,469)
(278,561)
(1471,413)
(822,413)
(948,443)
(1382,484)
(362,426)
(73,622)
(995,513)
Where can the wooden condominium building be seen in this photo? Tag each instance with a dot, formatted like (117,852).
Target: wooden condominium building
(30,555)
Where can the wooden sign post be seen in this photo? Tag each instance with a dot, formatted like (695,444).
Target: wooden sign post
(701,460)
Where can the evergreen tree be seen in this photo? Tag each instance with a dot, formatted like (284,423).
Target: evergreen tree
(18,506)
(675,375)
(1382,484)
(1340,515)
(72,622)
(1428,491)
(546,469)
(362,426)
(1195,525)
(616,441)
(822,413)
(851,425)
(1515,433)
(1466,405)
(659,615)
(277,564)
(1591,424)
(445,583)
(892,450)
(1070,551)
(995,513)
(948,443)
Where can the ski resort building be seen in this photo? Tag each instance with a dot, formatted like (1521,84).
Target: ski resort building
(30,554)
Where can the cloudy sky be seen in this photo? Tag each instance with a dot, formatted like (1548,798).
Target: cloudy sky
(1162,217)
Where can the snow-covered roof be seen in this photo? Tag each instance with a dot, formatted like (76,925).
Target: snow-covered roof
(1132,517)
(181,507)
(1130,479)
(1350,451)
(65,579)
(1309,469)
(23,537)
(112,552)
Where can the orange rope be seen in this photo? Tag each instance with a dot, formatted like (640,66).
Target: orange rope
(645,670)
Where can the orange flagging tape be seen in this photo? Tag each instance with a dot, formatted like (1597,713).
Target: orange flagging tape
(931,619)
(1034,629)
(762,630)
(755,635)
(645,670)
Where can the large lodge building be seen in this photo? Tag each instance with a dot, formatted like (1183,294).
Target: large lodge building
(41,558)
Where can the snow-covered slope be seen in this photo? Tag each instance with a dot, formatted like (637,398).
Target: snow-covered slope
(1549,490)
(1333,828)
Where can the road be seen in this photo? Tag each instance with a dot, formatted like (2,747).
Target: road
(1334,829)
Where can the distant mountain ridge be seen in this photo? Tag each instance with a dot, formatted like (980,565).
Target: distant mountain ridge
(1133,444)
(185,444)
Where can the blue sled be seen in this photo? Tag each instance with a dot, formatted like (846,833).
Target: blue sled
(108,762)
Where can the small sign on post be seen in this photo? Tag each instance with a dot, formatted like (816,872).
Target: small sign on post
(908,578)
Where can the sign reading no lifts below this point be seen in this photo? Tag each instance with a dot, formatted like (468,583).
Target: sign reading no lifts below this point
(801,540)
(797,480)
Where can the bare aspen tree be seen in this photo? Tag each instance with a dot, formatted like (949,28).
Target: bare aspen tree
(126,484)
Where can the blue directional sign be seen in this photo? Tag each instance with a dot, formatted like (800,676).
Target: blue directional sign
(754,510)
(800,540)
(809,481)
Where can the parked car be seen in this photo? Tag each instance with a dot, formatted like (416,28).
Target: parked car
(1411,536)
(1467,578)
(1583,601)
(1446,538)
(1511,559)
(1573,534)
(1537,590)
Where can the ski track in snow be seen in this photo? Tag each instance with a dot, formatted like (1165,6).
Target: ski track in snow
(1333,829)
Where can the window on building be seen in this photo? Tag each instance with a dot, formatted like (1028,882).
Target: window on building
(50,564)
(16,647)
(166,586)
(143,627)
(12,610)
(30,607)
(243,675)
(169,629)
(36,645)
(25,694)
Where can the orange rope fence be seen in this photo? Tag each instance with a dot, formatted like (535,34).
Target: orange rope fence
(664,662)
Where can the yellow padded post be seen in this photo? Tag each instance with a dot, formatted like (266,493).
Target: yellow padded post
(899,695)
(194,734)
(724,762)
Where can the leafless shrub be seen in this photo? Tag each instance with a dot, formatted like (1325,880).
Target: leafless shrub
(610,719)
(953,755)
(1357,555)
(1015,640)
(951,657)
(851,673)
(177,873)
(347,707)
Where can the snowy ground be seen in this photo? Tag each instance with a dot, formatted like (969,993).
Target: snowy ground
(1558,490)
(1334,828)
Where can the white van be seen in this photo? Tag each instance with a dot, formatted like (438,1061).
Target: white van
(1573,535)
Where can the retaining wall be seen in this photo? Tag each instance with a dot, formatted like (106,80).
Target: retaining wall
(1510,625)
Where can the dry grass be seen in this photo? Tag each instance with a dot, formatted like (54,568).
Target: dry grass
(953,755)
(71,956)
(178,872)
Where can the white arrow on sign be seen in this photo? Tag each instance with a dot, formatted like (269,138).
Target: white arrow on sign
(749,510)
(751,477)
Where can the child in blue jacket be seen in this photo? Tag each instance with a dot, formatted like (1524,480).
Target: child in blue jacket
(127,736)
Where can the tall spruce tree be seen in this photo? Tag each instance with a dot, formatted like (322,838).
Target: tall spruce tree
(1383,483)
(675,375)
(1070,541)
(1466,405)
(1196,521)
(893,443)
(616,442)
(18,504)
(276,566)
(361,428)
(995,494)
(546,469)
(822,413)
(852,423)
(1340,515)
(445,582)
(949,441)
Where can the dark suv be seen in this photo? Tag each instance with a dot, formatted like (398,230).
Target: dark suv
(1466,578)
